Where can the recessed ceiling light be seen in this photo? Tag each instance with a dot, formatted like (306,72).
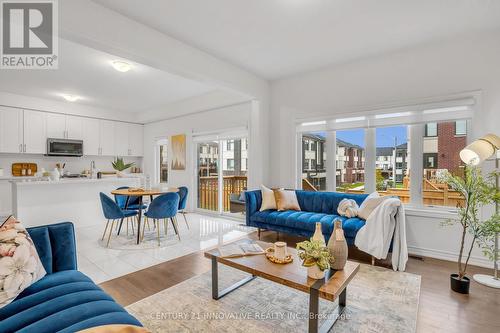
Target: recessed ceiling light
(121,66)
(70,98)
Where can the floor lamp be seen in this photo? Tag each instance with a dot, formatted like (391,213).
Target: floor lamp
(474,154)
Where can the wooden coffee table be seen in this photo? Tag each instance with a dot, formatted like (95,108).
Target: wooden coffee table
(293,275)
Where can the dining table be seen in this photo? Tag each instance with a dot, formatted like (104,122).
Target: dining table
(140,193)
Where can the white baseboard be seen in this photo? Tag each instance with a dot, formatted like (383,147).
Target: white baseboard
(449,256)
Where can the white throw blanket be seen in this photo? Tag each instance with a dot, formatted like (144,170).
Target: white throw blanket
(375,236)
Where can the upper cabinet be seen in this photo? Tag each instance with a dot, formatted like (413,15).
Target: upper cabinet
(90,135)
(11,130)
(62,126)
(26,131)
(35,137)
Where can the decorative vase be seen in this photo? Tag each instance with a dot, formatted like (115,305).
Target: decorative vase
(314,272)
(318,234)
(337,246)
(459,286)
(120,174)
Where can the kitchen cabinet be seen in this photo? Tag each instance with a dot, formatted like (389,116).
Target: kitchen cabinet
(74,127)
(136,140)
(62,126)
(122,139)
(35,138)
(90,135)
(56,125)
(107,137)
(11,130)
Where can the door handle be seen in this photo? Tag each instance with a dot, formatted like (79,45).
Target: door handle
(20,147)
(24,147)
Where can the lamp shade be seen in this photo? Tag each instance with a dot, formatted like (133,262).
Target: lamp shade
(480,150)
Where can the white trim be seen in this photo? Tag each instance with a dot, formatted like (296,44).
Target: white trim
(220,134)
(331,161)
(448,256)
(416,153)
(370,160)
(441,212)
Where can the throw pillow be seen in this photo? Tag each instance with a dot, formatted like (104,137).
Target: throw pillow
(268,200)
(286,200)
(369,205)
(348,208)
(20,265)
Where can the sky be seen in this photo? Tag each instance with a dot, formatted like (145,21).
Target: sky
(384,136)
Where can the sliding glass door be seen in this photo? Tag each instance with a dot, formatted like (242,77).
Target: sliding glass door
(222,175)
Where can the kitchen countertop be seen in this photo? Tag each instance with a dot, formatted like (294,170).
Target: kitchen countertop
(69,181)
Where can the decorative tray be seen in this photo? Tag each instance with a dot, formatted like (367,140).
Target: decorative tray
(270,256)
(136,190)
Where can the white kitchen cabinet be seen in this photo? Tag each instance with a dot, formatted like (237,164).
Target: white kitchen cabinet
(74,127)
(35,136)
(122,139)
(56,125)
(11,130)
(136,140)
(90,136)
(107,137)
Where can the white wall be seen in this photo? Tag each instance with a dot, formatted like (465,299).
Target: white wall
(466,64)
(231,117)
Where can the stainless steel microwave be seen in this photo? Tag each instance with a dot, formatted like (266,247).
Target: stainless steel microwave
(64,147)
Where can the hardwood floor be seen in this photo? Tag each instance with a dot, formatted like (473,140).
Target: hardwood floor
(440,309)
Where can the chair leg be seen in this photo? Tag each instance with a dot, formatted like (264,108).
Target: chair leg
(132,225)
(105,229)
(373,261)
(158,230)
(258,233)
(176,229)
(185,219)
(127,224)
(144,227)
(165,226)
(110,232)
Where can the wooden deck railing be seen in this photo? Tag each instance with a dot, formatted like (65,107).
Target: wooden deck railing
(208,190)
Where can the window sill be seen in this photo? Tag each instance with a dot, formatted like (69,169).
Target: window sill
(431,211)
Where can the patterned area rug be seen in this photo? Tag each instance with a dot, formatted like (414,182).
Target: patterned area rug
(378,300)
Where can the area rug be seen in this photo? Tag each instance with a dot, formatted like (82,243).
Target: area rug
(378,300)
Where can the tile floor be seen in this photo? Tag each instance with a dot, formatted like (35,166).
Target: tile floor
(102,264)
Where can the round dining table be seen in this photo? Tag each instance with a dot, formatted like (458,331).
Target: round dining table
(140,193)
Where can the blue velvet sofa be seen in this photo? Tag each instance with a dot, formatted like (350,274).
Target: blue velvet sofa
(65,300)
(315,207)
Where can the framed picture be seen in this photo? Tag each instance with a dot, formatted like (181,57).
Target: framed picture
(178,152)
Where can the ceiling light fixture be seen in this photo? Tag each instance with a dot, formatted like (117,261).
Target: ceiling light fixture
(70,98)
(121,66)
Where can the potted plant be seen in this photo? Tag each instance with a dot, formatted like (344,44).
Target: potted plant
(120,166)
(477,192)
(315,256)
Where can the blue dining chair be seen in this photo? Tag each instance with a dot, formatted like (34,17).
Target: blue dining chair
(163,207)
(183,195)
(113,212)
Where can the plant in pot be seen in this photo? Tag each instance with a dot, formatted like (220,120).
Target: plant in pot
(120,166)
(315,256)
(477,192)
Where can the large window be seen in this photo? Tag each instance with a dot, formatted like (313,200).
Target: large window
(392,162)
(441,153)
(350,161)
(314,161)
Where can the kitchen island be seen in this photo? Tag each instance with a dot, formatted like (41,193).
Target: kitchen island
(40,202)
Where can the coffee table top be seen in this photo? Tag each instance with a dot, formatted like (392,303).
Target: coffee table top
(293,275)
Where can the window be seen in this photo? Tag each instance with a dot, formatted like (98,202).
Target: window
(350,173)
(230,164)
(442,153)
(392,176)
(431,129)
(162,161)
(461,127)
(313,157)
(230,145)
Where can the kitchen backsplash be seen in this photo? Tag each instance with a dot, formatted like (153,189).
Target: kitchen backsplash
(73,164)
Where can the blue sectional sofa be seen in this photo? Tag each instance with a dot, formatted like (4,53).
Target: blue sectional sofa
(65,300)
(315,207)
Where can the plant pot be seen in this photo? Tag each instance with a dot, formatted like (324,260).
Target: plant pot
(120,174)
(314,272)
(459,286)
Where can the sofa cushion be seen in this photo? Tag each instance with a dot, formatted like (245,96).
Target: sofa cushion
(62,301)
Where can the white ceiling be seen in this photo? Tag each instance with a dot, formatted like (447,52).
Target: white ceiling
(277,38)
(88,73)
